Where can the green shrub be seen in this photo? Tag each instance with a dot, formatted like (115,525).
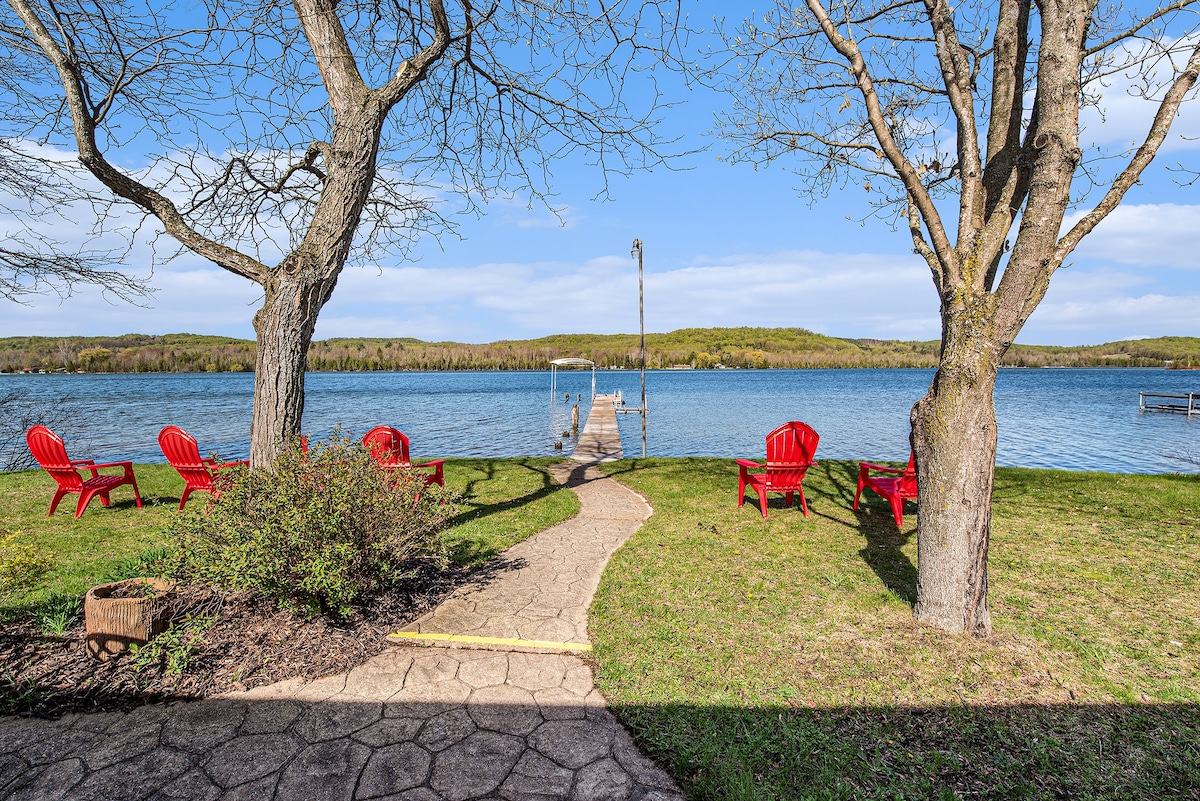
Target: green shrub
(315,534)
(173,651)
(21,565)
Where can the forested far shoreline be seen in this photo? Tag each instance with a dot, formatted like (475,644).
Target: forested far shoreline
(697,348)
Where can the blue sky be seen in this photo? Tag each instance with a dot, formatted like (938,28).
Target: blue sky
(724,246)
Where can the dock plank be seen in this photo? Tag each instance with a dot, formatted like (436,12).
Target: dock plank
(600,440)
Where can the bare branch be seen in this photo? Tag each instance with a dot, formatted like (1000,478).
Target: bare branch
(120,183)
(1145,154)
(40,266)
(957,75)
(1138,27)
(908,174)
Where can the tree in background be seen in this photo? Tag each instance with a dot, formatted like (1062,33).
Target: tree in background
(20,409)
(972,106)
(281,140)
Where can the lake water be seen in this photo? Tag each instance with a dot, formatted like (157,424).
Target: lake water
(1085,419)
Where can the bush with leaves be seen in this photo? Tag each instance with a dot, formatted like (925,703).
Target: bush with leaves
(21,565)
(321,530)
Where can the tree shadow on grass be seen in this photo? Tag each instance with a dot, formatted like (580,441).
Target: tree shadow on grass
(471,552)
(1009,751)
(882,549)
(476,510)
(834,482)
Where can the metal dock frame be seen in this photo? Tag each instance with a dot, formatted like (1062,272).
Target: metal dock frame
(1166,404)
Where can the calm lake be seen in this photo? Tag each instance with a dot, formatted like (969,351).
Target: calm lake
(1077,419)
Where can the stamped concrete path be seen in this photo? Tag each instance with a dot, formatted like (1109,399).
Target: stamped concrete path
(468,718)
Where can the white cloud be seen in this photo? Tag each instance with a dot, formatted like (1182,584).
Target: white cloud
(1088,307)
(1123,115)
(205,301)
(858,295)
(844,295)
(1151,234)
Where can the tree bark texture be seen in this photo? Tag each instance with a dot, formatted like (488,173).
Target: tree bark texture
(299,288)
(954,439)
(283,329)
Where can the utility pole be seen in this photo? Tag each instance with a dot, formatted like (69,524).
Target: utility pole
(637,252)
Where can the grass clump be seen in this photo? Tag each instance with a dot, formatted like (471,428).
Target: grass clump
(316,532)
(778,658)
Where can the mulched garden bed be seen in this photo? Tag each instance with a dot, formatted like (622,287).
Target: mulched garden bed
(251,643)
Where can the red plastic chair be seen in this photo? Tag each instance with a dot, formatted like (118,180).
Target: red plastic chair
(897,487)
(390,449)
(183,453)
(50,452)
(790,450)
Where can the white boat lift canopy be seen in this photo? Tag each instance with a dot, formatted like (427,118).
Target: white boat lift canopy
(557,363)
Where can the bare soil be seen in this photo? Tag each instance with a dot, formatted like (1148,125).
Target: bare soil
(250,643)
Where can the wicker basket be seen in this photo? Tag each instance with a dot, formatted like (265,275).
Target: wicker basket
(113,624)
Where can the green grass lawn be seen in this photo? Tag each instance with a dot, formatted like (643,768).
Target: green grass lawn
(503,502)
(779,659)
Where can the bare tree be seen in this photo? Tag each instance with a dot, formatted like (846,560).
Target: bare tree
(926,102)
(284,139)
(19,410)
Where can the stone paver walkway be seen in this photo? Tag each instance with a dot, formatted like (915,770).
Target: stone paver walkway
(415,723)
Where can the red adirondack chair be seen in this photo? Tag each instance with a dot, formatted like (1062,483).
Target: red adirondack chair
(390,449)
(183,453)
(898,486)
(790,450)
(50,452)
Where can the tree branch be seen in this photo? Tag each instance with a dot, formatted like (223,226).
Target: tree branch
(956,74)
(120,183)
(412,71)
(335,60)
(1142,23)
(904,169)
(1141,159)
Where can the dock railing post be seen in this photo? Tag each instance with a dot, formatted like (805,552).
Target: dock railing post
(637,249)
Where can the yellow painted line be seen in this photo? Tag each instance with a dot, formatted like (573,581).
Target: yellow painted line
(511,642)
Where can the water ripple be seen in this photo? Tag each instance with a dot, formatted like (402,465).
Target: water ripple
(1085,419)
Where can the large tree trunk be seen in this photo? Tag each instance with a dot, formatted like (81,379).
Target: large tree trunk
(954,438)
(296,291)
(284,328)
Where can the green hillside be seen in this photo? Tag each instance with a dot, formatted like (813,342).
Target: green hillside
(687,347)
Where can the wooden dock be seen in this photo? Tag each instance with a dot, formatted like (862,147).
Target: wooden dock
(1188,404)
(600,441)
